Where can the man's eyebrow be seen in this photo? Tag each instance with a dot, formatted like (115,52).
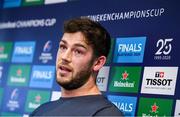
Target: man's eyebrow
(63,41)
(75,45)
(80,45)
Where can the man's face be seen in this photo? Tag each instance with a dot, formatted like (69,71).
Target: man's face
(74,61)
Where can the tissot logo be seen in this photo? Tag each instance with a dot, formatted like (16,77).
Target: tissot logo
(129,50)
(23,52)
(159,80)
(154,107)
(164,48)
(159,74)
(102,78)
(126,104)
(125,79)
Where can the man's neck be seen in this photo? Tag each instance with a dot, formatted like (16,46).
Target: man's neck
(87,89)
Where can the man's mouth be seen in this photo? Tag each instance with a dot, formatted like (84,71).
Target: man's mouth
(64,69)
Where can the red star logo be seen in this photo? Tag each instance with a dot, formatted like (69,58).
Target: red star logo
(1,49)
(38,98)
(125,75)
(154,108)
(19,72)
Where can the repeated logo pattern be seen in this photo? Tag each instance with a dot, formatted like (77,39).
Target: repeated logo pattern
(117,79)
(133,78)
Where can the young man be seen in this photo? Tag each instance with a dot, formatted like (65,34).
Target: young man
(83,51)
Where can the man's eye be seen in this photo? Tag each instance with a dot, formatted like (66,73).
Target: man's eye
(62,47)
(78,52)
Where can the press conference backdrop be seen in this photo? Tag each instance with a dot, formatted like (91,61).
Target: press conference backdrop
(140,77)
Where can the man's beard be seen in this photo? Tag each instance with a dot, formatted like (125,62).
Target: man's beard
(78,80)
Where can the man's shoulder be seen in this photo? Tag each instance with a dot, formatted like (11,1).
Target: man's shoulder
(110,110)
(79,106)
(101,106)
(44,108)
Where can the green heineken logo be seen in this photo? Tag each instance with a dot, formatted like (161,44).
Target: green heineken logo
(125,79)
(35,98)
(32,2)
(154,107)
(5,51)
(19,75)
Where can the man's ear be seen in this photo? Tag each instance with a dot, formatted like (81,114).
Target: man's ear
(99,63)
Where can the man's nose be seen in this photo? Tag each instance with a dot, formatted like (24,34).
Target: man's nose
(66,56)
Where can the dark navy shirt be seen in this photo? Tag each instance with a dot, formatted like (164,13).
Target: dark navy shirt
(92,105)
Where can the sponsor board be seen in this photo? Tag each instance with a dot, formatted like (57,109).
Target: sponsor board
(5,51)
(154,107)
(43,75)
(35,98)
(18,75)
(129,50)
(124,103)
(46,54)
(125,79)
(102,78)
(164,48)
(14,101)
(23,52)
(159,80)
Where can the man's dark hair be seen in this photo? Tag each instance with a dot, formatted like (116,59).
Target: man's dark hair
(95,35)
